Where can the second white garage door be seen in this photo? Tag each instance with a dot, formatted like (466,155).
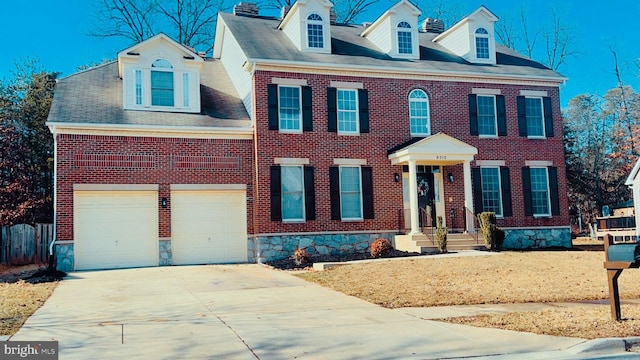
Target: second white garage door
(208,226)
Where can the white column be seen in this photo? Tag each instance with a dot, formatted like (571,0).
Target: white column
(413,198)
(468,195)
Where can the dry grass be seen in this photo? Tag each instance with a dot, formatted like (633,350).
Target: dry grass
(586,322)
(509,277)
(20,299)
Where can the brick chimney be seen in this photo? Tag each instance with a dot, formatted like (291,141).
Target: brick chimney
(245,9)
(433,26)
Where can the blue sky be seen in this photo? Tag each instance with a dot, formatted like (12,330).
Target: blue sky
(55,33)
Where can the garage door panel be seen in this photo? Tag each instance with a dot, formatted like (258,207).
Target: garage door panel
(115,229)
(208,227)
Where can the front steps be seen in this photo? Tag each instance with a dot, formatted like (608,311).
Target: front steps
(426,244)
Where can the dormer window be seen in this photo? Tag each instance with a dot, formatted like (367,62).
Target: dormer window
(161,83)
(482,43)
(405,43)
(315,31)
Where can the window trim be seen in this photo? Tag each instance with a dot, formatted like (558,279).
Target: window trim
(300,115)
(500,189)
(428,117)
(495,116)
(404,28)
(542,119)
(482,33)
(548,190)
(164,66)
(320,24)
(302,195)
(138,89)
(360,193)
(355,111)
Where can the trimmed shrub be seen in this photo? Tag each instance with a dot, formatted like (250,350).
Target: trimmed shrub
(300,256)
(441,235)
(492,235)
(380,247)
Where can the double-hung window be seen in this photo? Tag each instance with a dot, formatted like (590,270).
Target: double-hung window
(419,121)
(351,189)
(348,111)
(290,106)
(292,193)
(491,193)
(162,83)
(487,120)
(315,31)
(350,193)
(541,193)
(482,43)
(535,117)
(405,42)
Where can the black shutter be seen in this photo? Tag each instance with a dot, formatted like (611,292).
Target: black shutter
(367,192)
(522,116)
(548,117)
(307,116)
(526,187)
(363,106)
(505,182)
(473,114)
(502,115)
(477,190)
(553,188)
(309,194)
(332,110)
(276,194)
(272,95)
(334,191)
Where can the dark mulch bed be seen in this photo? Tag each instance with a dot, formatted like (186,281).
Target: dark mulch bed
(33,274)
(290,264)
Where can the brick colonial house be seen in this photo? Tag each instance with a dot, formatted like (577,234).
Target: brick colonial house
(305,133)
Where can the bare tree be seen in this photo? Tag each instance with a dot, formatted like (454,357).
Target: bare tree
(559,41)
(129,19)
(347,11)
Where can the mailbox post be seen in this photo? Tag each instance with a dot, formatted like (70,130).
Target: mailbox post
(614,269)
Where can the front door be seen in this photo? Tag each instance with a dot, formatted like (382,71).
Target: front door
(426,199)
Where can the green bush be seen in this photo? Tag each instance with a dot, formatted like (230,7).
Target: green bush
(380,247)
(492,235)
(441,236)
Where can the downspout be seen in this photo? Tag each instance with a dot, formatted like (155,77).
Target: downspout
(55,196)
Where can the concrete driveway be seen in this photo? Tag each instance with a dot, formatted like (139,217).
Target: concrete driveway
(247,312)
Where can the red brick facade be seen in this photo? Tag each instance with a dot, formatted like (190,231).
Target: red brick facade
(92,159)
(389,127)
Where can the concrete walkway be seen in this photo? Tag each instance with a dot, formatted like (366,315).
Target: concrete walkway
(252,312)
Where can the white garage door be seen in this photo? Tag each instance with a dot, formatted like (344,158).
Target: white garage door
(115,229)
(208,226)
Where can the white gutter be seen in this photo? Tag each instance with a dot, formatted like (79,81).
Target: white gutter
(154,130)
(389,70)
(52,128)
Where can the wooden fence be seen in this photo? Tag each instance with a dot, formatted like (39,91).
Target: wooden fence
(25,244)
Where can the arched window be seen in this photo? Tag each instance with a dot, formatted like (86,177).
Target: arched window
(482,43)
(161,83)
(405,43)
(315,31)
(419,118)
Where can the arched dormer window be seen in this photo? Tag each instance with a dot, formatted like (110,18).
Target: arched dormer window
(419,118)
(405,43)
(315,31)
(482,43)
(161,83)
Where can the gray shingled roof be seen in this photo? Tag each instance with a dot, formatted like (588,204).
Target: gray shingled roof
(261,40)
(94,96)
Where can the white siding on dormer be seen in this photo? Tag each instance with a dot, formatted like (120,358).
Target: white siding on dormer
(233,58)
(383,33)
(382,36)
(459,42)
(294,25)
(294,29)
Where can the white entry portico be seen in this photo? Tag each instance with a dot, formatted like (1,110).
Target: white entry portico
(439,150)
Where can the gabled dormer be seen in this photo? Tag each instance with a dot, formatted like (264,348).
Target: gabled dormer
(473,37)
(159,74)
(396,31)
(308,25)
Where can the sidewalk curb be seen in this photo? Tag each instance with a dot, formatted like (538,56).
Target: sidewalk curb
(606,345)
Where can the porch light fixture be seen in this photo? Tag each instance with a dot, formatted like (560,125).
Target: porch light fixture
(450,176)
(164,202)
(396,177)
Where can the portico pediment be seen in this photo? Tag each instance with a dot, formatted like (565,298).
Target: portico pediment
(438,149)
